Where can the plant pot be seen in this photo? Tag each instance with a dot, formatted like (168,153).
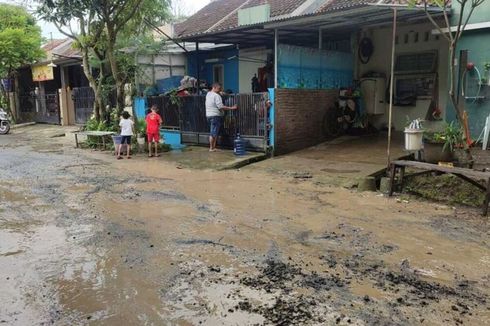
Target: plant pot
(462,159)
(435,153)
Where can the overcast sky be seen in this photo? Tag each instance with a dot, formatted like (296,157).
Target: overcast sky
(187,7)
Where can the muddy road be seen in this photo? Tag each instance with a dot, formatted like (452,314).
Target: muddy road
(88,240)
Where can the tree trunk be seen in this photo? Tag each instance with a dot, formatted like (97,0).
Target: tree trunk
(94,84)
(115,70)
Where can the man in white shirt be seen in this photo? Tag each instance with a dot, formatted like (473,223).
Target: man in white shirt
(214,113)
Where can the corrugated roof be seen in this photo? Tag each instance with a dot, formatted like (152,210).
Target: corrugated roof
(60,50)
(53,44)
(222,15)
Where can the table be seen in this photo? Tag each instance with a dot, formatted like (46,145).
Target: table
(472,176)
(101,134)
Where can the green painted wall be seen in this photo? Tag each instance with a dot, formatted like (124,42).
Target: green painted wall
(481,13)
(477,42)
(478,45)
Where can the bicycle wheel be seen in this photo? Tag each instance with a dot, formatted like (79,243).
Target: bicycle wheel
(332,123)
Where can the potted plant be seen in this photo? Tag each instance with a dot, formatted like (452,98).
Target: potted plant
(441,146)
(140,128)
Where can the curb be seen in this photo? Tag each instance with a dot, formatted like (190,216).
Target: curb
(22,125)
(242,163)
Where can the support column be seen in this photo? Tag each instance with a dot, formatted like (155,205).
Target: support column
(64,115)
(276,57)
(320,39)
(390,115)
(198,66)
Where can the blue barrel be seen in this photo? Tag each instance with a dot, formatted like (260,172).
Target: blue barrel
(239,148)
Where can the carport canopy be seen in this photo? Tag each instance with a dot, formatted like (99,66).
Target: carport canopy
(308,30)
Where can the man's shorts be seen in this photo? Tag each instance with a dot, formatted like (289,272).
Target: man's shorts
(215,125)
(153,136)
(126,140)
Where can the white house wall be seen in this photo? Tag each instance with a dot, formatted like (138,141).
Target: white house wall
(247,68)
(380,62)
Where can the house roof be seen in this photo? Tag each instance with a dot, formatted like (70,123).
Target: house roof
(222,15)
(60,51)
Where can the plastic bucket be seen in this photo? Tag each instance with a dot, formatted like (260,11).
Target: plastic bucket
(413,139)
(117,139)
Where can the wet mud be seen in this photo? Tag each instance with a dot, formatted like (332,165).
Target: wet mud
(88,240)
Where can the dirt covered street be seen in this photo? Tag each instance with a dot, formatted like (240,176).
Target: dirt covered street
(89,240)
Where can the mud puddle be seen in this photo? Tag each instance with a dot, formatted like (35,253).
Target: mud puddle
(88,240)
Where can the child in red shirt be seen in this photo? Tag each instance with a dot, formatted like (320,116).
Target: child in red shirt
(153,122)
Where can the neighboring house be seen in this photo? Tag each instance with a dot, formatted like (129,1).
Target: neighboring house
(305,51)
(54,90)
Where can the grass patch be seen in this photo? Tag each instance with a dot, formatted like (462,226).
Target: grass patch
(445,188)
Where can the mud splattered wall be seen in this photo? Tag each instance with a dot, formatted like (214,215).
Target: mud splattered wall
(299,116)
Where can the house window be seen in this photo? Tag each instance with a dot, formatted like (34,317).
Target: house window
(219,74)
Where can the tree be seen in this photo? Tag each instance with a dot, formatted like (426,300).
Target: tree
(452,34)
(124,18)
(77,20)
(100,27)
(20,40)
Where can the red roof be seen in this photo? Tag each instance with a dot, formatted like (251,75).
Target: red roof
(222,15)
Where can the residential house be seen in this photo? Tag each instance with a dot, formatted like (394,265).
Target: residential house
(304,51)
(54,90)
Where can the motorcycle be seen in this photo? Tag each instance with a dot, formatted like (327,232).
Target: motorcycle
(4,122)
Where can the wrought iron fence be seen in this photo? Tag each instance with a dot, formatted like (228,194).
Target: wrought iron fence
(41,108)
(83,99)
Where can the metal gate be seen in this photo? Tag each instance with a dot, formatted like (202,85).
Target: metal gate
(250,120)
(40,108)
(83,100)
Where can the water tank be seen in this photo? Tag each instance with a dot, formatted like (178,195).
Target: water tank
(373,92)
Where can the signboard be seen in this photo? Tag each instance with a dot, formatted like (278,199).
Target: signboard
(42,73)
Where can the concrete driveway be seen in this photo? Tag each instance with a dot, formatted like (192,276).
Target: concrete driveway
(338,162)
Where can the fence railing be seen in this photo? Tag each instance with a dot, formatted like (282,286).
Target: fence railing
(41,108)
(83,100)
(190,116)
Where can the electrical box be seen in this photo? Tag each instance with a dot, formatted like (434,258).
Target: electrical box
(373,91)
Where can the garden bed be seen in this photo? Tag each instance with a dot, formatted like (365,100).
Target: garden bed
(445,188)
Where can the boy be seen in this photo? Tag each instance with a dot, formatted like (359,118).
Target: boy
(126,125)
(153,123)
